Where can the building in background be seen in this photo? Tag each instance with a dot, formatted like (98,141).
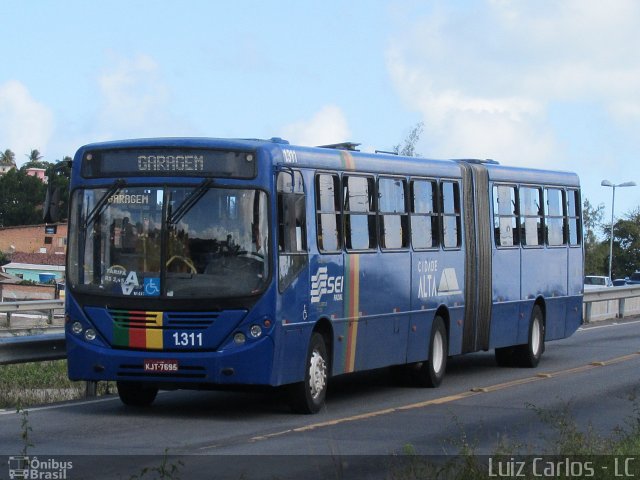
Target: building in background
(13,289)
(44,239)
(36,267)
(39,173)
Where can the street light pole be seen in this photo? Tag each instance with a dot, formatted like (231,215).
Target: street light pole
(607,183)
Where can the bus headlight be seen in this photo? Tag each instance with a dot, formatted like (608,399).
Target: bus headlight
(90,334)
(76,328)
(255,331)
(239,338)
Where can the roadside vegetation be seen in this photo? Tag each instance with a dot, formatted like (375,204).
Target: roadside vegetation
(568,451)
(28,384)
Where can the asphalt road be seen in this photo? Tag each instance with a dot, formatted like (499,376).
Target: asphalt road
(591,379)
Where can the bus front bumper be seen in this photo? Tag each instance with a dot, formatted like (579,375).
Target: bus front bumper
(249,364)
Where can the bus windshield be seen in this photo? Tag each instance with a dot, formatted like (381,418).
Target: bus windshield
(180,242)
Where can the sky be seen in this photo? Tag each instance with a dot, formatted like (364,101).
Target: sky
(548,84)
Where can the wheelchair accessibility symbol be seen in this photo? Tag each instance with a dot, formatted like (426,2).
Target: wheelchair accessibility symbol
(152,287)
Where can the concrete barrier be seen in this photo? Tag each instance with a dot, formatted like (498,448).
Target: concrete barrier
(613,302)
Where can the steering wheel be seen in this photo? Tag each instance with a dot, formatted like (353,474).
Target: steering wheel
(185,260)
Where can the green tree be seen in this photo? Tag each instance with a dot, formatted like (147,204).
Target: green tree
(7,157)
(34,160)
(626,244)
(21,198)
(58,175)
(34,155)
(596,252)
(408,146)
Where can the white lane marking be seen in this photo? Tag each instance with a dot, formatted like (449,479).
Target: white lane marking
(61,405)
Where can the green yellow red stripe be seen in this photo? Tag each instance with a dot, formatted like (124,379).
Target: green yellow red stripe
(348,162)
(352,310)
(138,329)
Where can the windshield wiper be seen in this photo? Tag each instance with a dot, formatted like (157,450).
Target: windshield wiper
(189,202)
(99,208)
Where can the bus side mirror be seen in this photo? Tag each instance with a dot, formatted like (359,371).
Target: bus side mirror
(51,207)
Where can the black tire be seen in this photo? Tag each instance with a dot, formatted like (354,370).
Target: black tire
(134,394)
(308,396)
(529,354)
(430,373)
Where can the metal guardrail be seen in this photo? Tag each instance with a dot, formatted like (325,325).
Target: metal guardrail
(611,294)
(31,343)
(21,345)
(48,306)
(32,348)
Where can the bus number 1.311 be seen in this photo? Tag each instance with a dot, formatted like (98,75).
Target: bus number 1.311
(185,339)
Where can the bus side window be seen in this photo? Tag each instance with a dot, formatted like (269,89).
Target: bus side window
(360,212)
(292,227)
(505,216)
(531,216)
(424,214)
(573,217)
(394,221)
(328,217)
(451,234)
(554,216)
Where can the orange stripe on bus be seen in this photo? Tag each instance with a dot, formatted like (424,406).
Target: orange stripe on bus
(347,160)
(353,314)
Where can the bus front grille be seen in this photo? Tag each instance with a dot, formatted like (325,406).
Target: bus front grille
(162,320)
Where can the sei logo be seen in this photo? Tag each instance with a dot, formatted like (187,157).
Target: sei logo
(323,284)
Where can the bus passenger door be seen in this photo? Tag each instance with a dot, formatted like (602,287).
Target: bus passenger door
(327,286)
(293,275)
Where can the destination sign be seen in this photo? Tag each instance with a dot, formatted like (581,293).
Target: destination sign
(169,162)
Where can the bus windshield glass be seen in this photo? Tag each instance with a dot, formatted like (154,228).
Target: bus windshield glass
(180,242)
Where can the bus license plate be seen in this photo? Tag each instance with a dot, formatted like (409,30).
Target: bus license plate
(161,366)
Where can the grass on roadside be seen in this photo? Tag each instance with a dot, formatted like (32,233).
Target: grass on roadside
(28,384)
(568,447)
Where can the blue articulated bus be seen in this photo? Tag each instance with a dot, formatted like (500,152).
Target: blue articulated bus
(211,263)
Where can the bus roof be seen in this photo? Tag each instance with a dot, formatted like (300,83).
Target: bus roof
(502,173)
(345,158)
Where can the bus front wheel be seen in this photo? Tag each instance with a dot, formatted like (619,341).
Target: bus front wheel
(308,396)
(134,394)
(431,372)
(528,355)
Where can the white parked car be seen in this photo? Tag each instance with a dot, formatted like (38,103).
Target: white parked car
(596,281)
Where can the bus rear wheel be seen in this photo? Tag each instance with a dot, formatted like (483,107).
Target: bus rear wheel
(308,396)
(431,372)
(135,394)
